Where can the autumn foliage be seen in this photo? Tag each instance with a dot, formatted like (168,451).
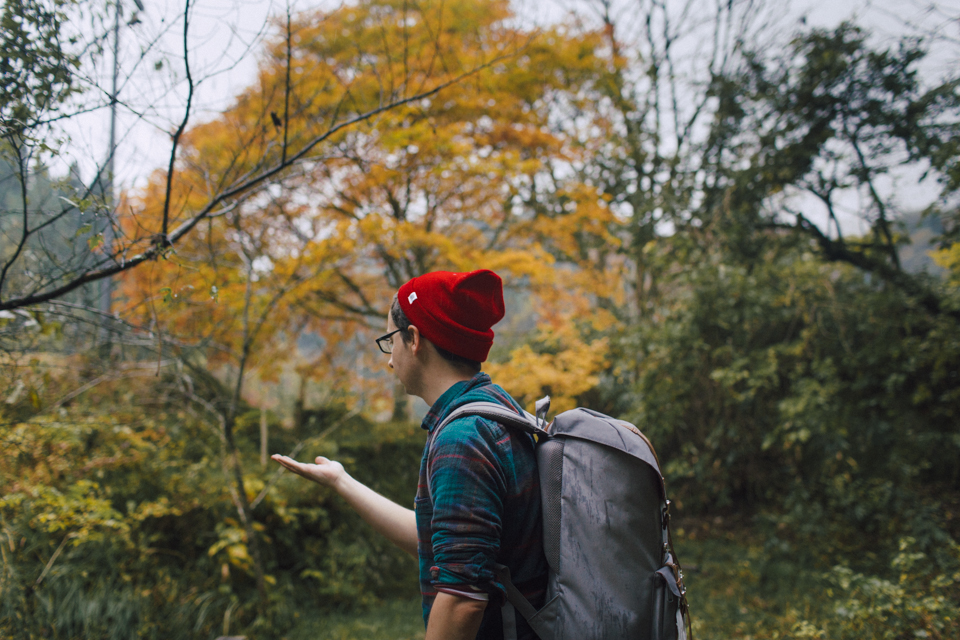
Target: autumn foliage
(442,183)
(662,263)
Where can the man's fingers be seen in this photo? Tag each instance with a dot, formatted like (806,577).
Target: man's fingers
(289,463)
(325,472)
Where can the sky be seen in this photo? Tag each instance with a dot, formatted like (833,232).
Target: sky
(226,39)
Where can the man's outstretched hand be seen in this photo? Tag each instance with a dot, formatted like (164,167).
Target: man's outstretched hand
(397,523)
(324,471)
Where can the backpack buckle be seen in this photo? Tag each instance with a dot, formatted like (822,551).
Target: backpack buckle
(541,408)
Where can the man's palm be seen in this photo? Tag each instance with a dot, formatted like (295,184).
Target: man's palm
(324,471)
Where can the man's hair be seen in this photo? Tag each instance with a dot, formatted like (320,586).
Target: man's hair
(401,321)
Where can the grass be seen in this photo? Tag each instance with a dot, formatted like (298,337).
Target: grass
(738,589)
(390,620)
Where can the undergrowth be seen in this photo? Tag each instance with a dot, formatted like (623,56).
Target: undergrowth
(741,588)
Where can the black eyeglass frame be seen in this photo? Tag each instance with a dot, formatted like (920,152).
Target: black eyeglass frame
(383,340)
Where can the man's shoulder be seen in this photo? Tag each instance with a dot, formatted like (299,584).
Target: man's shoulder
(474,428)
(470,429)
(487,391)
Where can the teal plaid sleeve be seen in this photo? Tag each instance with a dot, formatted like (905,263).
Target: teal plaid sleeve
(470,461)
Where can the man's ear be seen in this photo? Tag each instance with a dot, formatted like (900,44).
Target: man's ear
(416,340)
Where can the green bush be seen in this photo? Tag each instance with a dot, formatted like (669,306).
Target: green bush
(921,600)
(116,522)
(805,392)
(739,587)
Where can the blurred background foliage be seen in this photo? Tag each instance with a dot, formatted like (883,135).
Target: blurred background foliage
(146,541)
(715,252)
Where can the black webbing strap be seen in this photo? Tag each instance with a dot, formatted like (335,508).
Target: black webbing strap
(508,615)
(520,603)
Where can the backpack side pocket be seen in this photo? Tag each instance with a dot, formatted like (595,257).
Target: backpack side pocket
(666,623)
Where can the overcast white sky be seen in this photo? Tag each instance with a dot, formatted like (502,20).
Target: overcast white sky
(226,39)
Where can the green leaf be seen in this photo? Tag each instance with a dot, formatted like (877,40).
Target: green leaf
(34,398)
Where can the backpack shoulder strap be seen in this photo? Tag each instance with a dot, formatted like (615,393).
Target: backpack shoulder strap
(526,422)
(491,411)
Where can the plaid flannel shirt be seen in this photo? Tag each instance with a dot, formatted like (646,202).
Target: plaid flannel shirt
(481,507)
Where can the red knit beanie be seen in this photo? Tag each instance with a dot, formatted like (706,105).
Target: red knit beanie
(455,311)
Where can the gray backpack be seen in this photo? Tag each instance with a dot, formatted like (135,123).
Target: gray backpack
(613,573)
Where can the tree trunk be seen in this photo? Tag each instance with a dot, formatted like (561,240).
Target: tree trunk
(243,507)
(400,403)
(263,438)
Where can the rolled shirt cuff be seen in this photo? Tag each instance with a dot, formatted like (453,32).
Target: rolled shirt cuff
(465,592)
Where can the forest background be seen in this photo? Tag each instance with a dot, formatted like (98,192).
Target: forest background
(699,214)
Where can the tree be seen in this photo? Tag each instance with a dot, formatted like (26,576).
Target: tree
(37,74)
(832,115)
(425,185)
(430,185)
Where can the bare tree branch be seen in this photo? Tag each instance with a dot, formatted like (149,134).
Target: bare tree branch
(159,245)
(162,241)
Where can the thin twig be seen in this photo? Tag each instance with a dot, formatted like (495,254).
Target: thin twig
(53,558)
(297,449)
(104,378)
(183,125)
(286,90)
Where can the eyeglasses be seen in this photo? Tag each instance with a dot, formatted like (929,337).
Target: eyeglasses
(385,342)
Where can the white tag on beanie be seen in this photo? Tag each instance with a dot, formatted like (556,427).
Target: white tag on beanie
(411,297)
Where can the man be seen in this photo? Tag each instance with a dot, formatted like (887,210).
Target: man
(478,499)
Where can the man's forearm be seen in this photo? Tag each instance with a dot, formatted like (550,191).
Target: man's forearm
(455,618)
(397,523)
